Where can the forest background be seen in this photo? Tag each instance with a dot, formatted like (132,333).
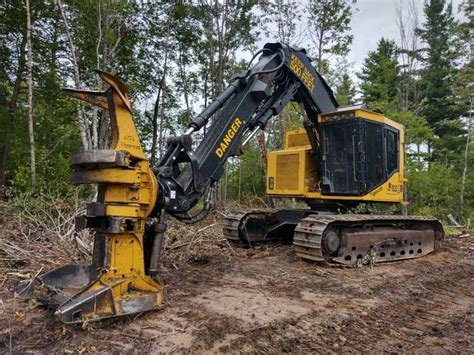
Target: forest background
(176,56)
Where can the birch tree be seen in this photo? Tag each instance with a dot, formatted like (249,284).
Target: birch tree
(466,157)
(31,130)
(407,23)
(82,120)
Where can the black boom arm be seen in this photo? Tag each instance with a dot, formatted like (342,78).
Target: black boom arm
(282,74)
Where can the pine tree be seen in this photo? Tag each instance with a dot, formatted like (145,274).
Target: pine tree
(439,106)
(379,77)
(463,90)
(345,91)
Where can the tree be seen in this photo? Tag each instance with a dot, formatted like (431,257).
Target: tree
(82,120)
(105,36)
(181,35)
(329,23)
(433,191)
(285,15)
(227,26)
(247,177)
(12,56)
(345,91)
(466,157)
(417,134)
(379,78)
(464,92)
(438,56)
(409,55)
(31,124)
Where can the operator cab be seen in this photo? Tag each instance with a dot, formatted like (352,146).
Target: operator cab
(359,151)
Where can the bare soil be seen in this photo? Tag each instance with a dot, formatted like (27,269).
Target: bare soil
(226,299)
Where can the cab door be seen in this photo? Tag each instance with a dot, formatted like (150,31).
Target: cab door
(342,158)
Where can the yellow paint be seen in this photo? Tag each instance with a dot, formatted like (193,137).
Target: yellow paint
(304,182)
(297,139)
(363,114)
(128,193)
(228,138)
(300,70)
(296,177)
(86,96)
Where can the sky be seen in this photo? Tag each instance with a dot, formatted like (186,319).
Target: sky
(371,20)
(374,19)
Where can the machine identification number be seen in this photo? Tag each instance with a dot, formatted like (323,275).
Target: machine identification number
(298,67)
(228,138)
(395,188)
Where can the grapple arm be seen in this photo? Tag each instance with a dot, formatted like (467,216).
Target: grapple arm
(282,74)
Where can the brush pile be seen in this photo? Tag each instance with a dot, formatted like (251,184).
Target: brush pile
(37,234)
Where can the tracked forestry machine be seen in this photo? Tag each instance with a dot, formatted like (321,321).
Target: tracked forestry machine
(352,156)
(343,157)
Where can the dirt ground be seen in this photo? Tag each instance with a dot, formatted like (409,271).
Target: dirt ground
(227,299)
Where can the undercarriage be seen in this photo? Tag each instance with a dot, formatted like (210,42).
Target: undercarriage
(344,239)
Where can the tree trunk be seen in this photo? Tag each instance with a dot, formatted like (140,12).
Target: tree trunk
(154,122)
(206,98)
(221,28)
(82,123)
(12,109)
(466,153)
(263,150)
(106,60)
(31,133)
(226,181)
(241,161)
(320,52)
(210,40)
(162,118)
(184,79)
(95,112)
(156,143)
(264,154)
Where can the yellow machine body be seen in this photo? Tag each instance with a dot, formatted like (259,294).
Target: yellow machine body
(293,171)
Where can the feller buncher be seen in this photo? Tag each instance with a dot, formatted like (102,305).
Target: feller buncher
(343,157)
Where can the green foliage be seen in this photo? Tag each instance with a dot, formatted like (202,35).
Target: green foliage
(329,23)
(379,77)
(289,119)
(441,196)
(439,56)
(283,21)
(188,50)
(462,87)
(246,177)
(417,130)
(345,91)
